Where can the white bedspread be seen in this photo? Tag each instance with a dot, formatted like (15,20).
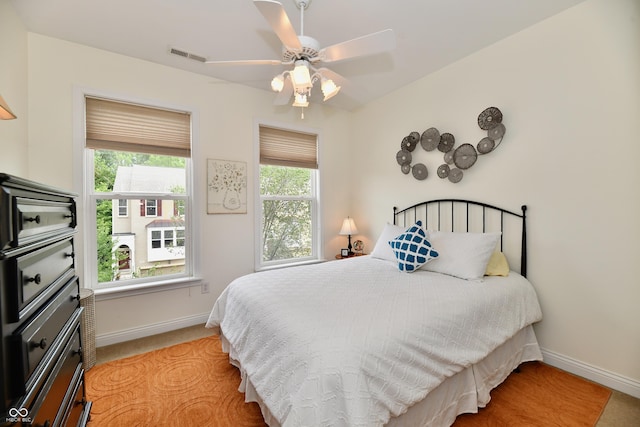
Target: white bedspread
(354,342)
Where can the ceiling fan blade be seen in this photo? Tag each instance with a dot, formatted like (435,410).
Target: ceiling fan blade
(247,62)
(330,74)
(349,90)
(284,96)
(339,80)
(373,43)
(277,17)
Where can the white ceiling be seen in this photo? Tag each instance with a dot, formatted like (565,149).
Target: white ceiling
(430,34)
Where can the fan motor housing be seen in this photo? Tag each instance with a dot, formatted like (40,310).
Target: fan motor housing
(310,49)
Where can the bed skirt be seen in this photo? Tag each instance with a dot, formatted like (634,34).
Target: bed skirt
(464,392)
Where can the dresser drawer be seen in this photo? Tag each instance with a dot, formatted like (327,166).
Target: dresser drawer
(31,342)
(78,409)
(33,273)
(39,217)
(30,218)
(54,400)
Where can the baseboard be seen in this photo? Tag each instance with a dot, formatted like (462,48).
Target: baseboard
(148,330)
(606,378)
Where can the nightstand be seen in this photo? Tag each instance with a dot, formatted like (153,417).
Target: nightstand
(354,255)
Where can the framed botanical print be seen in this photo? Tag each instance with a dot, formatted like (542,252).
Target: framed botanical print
(226,187)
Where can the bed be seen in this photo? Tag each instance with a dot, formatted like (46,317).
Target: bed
(372,340)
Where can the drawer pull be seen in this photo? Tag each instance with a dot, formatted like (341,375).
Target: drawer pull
(35,219)
(75,297)
(42,344)
(69,255)
(37,278)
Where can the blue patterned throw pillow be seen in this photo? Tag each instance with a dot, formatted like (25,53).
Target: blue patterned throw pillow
(412,249)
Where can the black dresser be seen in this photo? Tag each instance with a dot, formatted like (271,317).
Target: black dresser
(41,353)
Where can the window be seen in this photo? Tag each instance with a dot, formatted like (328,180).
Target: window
(151,207)
(288,208)
(137,155)
(164,243)
(123,207)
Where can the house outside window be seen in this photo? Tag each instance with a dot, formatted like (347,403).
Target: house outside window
(288,177)
(146,170)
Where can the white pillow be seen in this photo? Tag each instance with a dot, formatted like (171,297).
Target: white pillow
(463,255)
(382,249)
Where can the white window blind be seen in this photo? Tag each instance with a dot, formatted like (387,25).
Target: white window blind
(288,148)
(120,126)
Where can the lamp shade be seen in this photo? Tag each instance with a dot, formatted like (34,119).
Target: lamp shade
(277,84)
(348,227)
(5,111)
(300,100)
(329,88)
(301,76)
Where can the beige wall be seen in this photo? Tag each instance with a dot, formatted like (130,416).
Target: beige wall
(569,89)
(13,88)
(225,130)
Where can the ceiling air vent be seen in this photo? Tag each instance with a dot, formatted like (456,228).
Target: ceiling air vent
(188,55)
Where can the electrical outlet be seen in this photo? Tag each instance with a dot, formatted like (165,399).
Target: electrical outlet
(204,287)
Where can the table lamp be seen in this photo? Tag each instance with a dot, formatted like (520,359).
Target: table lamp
(348,228)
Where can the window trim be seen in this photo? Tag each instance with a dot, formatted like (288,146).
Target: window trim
(86,242)
(316,207)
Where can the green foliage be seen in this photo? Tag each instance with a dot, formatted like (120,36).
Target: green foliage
(286,220)
(106,271)
(285,181)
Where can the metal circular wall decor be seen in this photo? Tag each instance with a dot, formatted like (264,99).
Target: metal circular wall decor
(489,118)
(419,171)
(430,139)
(456,160)
(465,156)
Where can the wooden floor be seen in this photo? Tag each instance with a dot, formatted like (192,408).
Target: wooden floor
(621,411)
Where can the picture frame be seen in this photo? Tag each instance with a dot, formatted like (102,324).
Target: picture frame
(344,252)
(226,187)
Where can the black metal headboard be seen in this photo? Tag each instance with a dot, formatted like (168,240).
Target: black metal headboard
(471,216)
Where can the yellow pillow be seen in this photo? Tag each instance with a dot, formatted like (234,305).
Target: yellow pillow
(498,265)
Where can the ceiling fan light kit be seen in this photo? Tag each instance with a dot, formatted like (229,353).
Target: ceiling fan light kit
(301,76)
(302,52)
(329,88)
(300,100)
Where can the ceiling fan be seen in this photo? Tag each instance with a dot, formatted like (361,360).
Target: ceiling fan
(305,54)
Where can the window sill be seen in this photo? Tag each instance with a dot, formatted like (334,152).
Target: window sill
(290,264)
(145,288)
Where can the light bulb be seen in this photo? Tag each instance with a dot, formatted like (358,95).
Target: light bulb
(277,84)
